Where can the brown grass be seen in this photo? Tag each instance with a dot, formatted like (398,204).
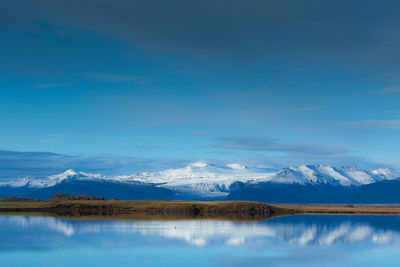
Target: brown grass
(164,210)
(244,210)
(345,209)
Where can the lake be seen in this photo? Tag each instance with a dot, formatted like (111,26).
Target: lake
(301,240)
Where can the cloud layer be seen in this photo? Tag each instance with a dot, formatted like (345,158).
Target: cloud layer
(293,154)
(15,164)
(214,29)
(256,143)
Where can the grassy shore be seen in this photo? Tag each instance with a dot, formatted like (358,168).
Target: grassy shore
(198,209)
(162,209)
(344,209)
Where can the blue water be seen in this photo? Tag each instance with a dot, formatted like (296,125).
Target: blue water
(304,240)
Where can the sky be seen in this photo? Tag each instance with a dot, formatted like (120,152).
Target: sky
(125,86)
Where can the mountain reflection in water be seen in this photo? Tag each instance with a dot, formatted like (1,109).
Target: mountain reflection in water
(261,242)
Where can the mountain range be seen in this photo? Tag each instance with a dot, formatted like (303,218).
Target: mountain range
(306,183)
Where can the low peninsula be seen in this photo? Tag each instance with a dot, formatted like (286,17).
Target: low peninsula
(78,206)
(83,206)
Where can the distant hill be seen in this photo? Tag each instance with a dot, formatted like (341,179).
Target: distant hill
(379,192)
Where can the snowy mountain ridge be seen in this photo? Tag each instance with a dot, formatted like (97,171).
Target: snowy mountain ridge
(203,179)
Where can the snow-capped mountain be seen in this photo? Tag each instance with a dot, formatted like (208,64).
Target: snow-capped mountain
(201,179)
(68,175)
(321,174)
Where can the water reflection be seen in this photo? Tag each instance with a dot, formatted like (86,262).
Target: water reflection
(303,230)
(286,238)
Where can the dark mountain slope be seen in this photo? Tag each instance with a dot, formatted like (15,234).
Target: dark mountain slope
(290,193)
(382,192)
(379,192)
(104,189)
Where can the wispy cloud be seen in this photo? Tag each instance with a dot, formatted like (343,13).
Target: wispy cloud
(294,154)
(256,143)
(373,123)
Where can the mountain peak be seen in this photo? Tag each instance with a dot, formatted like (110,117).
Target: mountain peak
(57,178)
(236,166)
(199,164)
(318,165)
(387,173)
(65,174)
(69,172)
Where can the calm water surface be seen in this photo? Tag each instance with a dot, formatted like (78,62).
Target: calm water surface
(304,240)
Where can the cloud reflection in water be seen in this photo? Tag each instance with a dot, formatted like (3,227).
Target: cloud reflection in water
(300,230)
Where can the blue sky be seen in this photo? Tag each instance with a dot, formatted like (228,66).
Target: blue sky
(144,85)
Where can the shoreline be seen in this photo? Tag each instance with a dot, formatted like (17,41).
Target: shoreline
(378,209)
(164,209)
(146,208)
